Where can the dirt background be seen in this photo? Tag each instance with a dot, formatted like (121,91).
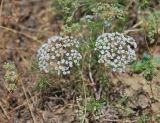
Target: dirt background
(25,25)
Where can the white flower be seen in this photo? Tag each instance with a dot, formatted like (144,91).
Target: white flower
(108,47)
(75,61)
(68,72)
(102,51)
(58,54)
(53,48)
(62,61)
(51,63)
(104,47)
(52,57)
(64,73)
(118,57)
(56,68)
(114,70)
(100,47)
(120,48)
(66,62)
(70,64)
(69,58)
(115,60)
(115,50)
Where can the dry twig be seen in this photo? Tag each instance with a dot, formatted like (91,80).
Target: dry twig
(29,106)
(4,111)
(21,33)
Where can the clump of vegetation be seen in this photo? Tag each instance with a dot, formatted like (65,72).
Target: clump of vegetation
(42,84)
(115,50)
(59,54)
(89,107)
(147,66)
(11,76)
(151,25)
(91,70)
(107,14)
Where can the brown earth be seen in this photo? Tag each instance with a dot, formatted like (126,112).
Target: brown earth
(25,25)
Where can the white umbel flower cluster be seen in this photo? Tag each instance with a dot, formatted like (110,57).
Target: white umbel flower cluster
(59,54)
(116,50)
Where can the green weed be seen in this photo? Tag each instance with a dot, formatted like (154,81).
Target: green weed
(11,76)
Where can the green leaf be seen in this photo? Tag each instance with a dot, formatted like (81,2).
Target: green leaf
(138,67)
(156,60)
(146,57)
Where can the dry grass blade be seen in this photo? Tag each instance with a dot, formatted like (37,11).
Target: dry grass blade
(29,105)
(21,33)
(1,7)
(4,111)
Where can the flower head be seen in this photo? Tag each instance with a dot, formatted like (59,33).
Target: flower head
(115,50)
(59,54)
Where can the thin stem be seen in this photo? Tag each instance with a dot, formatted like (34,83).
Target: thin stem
(93,83)
(1,8)
(151,88)
(24,34)
(84,90)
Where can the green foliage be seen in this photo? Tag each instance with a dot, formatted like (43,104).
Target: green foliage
(34,67)
(108,11)
(151,24)
(89,106)
(67,29)
(11,76)
(156,60)
(144,4)
(12,86)
(104,80)
(120,25)
(94,105)
(158,119)
(10,72)
(146,65)
(73,11)
(124,99)
(95,27)
(143,119)
(9,66)
(42,84)
(66,7)
(122,2)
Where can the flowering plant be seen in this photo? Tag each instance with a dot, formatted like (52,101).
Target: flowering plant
(115,50)
(59,54)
